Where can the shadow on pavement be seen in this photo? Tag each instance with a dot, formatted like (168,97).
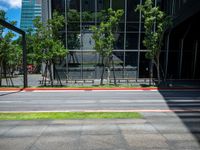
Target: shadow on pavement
(10,93)
(186,106)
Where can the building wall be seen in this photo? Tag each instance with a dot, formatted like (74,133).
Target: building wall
(182,59)
(129,52)
(83,61)
(30,9)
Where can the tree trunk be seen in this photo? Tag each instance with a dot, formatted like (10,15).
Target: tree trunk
(108,70)
(50,73)
(150,71)
(58,77)
(45,74)
(4,67)
(113,65)
(101,83)
(108,77)
(158,68)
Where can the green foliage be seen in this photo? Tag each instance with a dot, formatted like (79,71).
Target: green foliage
(10,51)
(104,33)
(29,46)
(47,44)
(155,23)
(104,38)
(2,16)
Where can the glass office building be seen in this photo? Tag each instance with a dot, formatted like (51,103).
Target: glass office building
(30,9)
(181,54)
(83,62)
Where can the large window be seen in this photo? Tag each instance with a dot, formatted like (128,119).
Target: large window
(73,24)
(83,61)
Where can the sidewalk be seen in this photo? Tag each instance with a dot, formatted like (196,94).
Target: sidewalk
(141,84)
(160,131)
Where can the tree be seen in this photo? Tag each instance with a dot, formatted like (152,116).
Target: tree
(47,44)
(10,52)
(156,22)
(104,38)
(2,16)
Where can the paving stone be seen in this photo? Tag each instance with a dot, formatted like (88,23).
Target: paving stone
(62,130)
(137,128)
(4,129)
(19,143)
(104,142)
(105,129)
(154,141)
(56,143)
(25,131)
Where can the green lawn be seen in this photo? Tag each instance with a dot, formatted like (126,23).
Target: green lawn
(69,115)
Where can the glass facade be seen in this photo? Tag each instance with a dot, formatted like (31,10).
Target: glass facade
(30,9)
(129,53)
(182,41)
(82,61)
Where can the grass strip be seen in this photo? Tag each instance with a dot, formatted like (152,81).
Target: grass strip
(69,115)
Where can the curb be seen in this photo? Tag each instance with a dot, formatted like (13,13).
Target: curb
(99,89)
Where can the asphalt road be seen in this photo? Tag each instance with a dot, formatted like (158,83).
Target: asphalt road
(157,130)
(99,100)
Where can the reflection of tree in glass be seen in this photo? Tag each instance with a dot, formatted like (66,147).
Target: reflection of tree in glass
(73,19)
(88,16)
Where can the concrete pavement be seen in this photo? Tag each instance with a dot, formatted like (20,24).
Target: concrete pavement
(158,130)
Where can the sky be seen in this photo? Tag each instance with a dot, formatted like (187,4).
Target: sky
(13,9)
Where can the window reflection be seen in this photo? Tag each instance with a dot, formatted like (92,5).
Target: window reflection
(82,58)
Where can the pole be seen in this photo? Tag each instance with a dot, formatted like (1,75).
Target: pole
(24,60)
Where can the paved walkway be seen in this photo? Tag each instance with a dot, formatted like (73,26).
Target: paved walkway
(157,131)
(33,81)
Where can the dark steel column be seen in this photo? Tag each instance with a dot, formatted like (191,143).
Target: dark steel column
(167,55)
(24,60)
(15,29)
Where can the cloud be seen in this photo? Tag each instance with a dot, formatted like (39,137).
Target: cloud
(11,3)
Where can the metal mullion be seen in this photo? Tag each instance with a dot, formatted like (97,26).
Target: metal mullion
(139,41)
(66,24)
(95,12)
(96,25)
(125,21)
(81,40)
(167,54)
(67,66)
(50,11)
(181,50)
(195,59)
